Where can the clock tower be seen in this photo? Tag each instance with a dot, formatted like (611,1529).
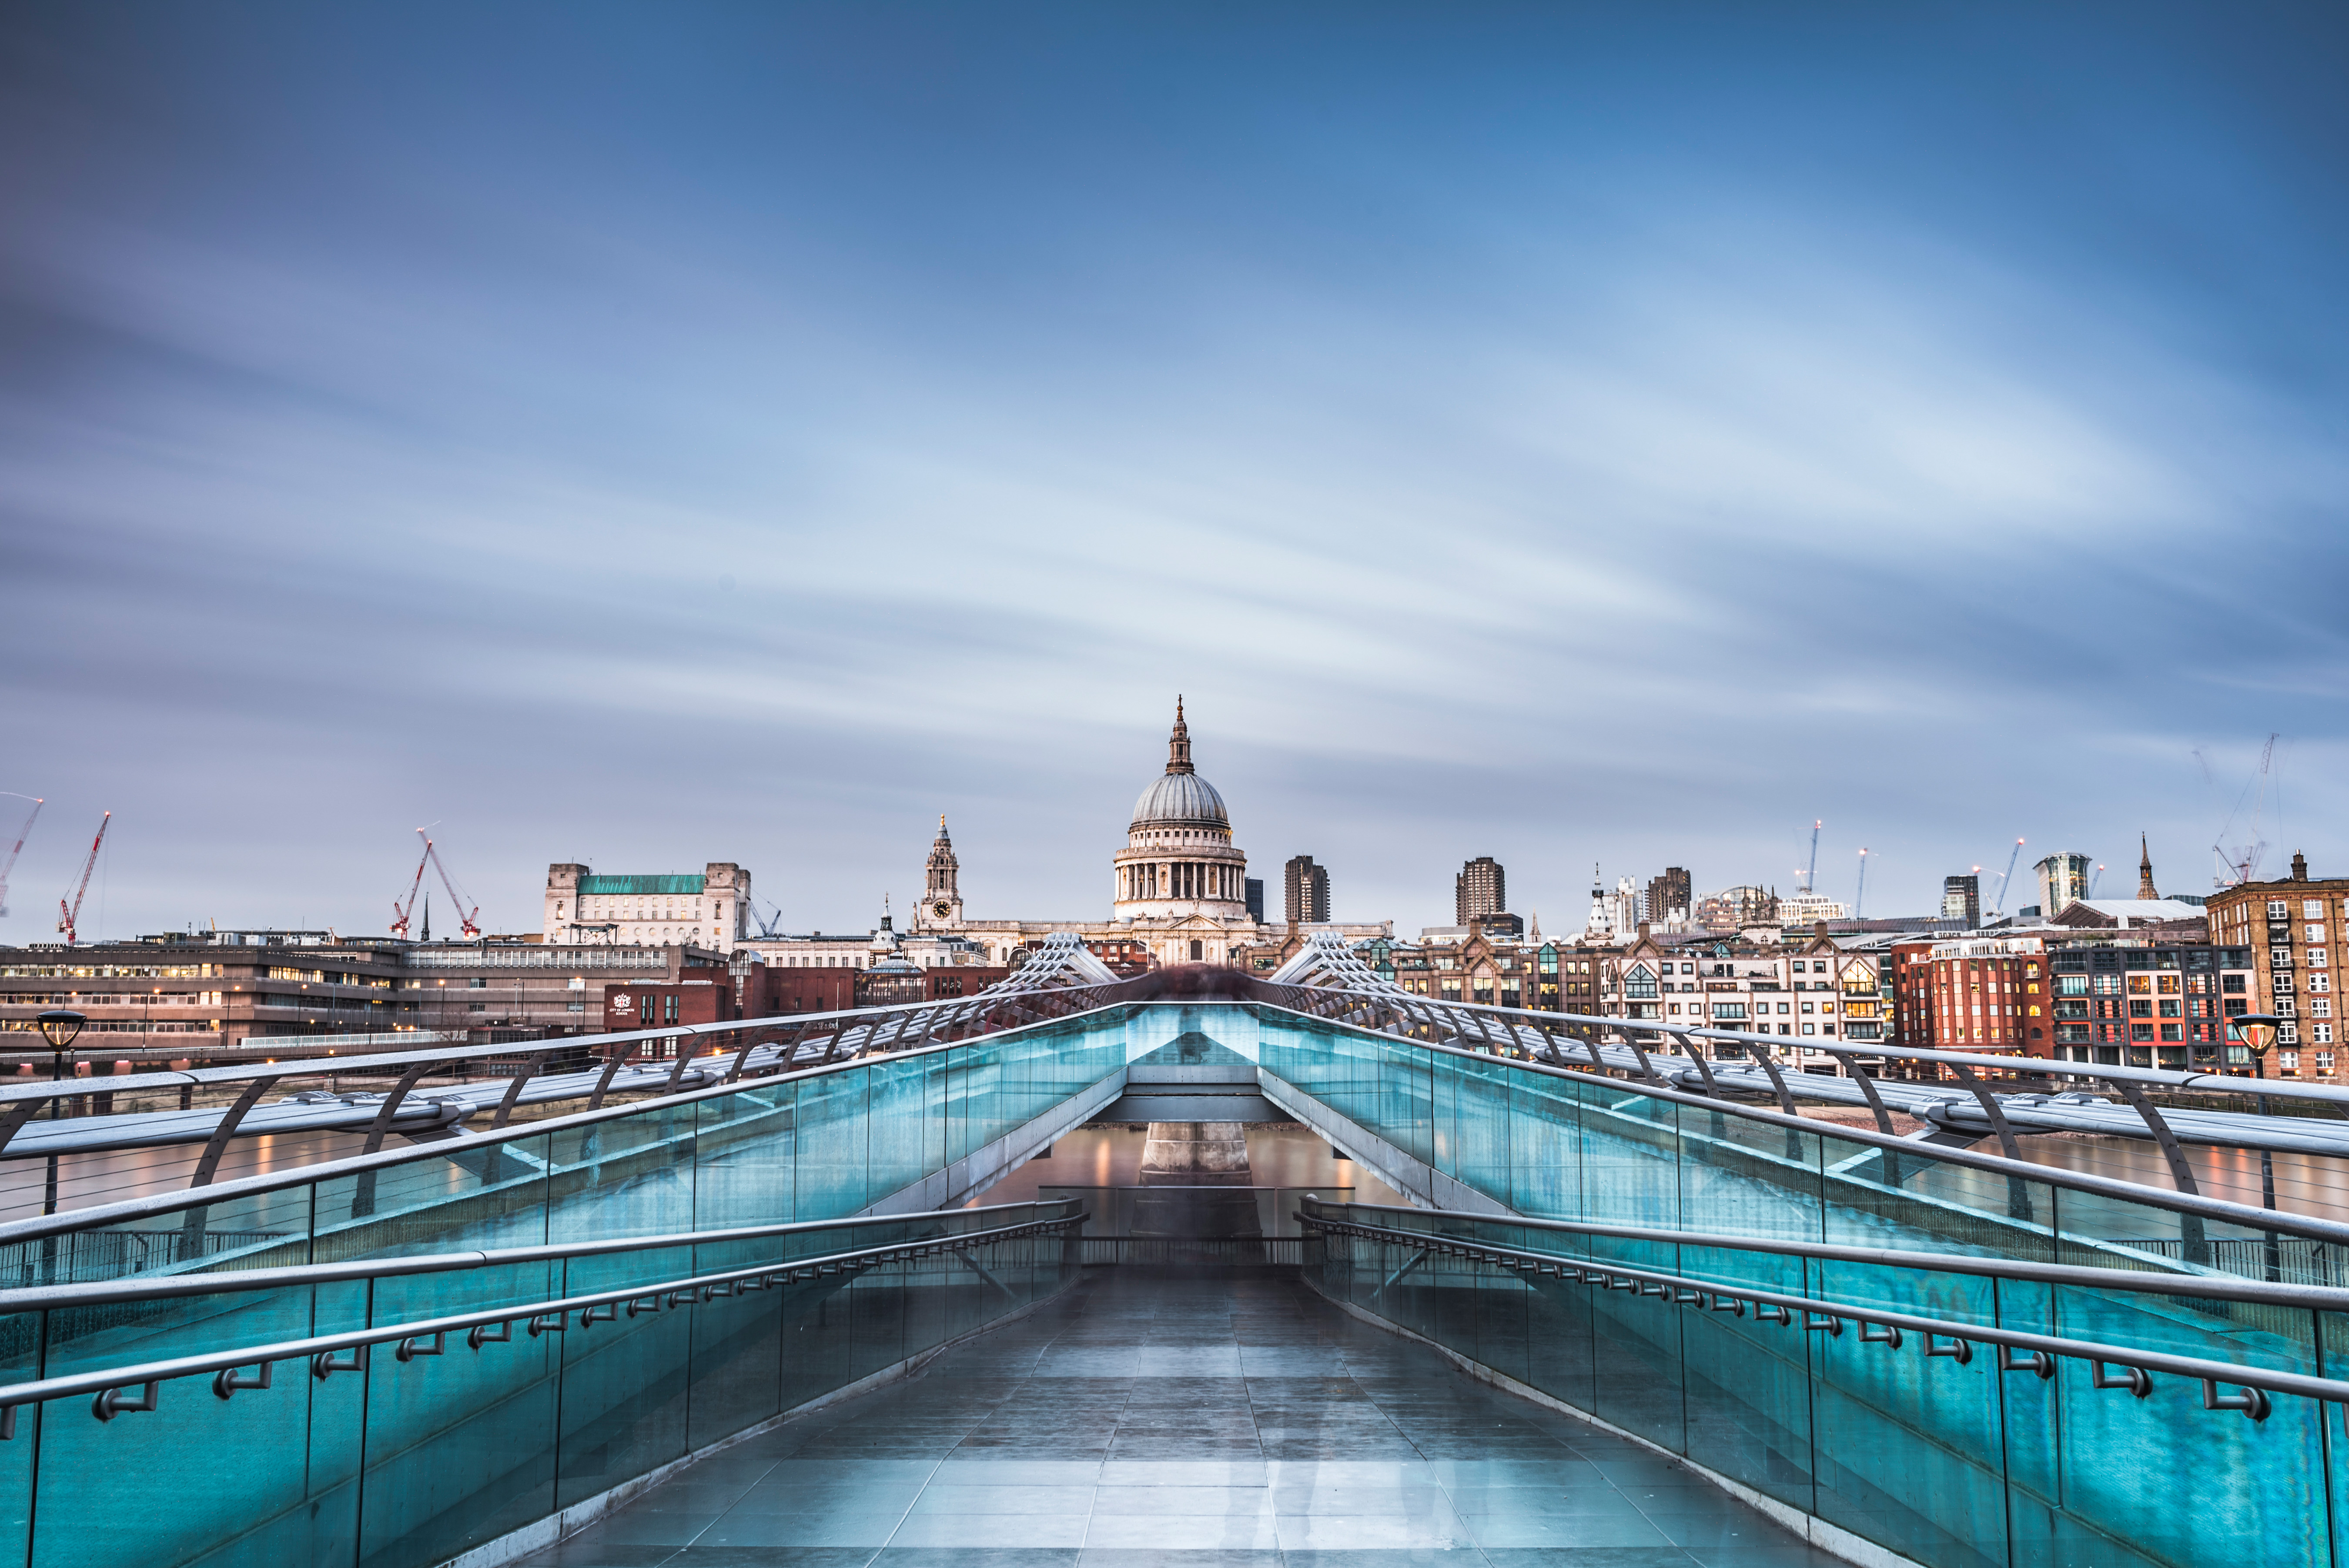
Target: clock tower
(941,906)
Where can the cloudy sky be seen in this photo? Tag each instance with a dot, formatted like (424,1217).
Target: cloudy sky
(650,436)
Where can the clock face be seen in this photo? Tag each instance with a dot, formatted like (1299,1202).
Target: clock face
(941,910)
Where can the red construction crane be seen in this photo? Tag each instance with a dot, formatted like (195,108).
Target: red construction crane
(466,908)
(68,914)
(22,834)
(400,908)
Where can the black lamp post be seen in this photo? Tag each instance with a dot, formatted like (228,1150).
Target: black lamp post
(59,1026)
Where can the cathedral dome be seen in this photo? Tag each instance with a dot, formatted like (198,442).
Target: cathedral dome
(1180,798)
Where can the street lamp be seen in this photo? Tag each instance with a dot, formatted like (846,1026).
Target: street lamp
(58,1025)
(2259,1033)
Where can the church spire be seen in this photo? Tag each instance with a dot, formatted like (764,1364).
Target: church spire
(2145,871)
(1178,744)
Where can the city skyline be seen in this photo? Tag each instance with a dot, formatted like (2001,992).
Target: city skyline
(746,436)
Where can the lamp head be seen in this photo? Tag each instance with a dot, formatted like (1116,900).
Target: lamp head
(59,1026)
(2258,1031)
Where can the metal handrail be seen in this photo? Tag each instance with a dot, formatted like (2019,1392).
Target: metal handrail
(544,1317)
(116,1293)
(1300,1001)
(2046,1066)
(2212,1286)
(46,1089)
(2180,1203)
(36,1226)
(1830,1316)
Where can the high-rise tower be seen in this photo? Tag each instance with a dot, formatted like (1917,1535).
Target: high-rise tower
(1481,889)
(1307,887)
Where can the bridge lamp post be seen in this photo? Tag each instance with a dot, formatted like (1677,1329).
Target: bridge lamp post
(2259,1033)
(58,1025)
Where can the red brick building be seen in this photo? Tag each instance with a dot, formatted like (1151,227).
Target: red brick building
(1980,994)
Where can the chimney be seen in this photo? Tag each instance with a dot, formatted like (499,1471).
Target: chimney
(2300,867)
(1643,931)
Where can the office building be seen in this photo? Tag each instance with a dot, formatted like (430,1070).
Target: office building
(2062,878)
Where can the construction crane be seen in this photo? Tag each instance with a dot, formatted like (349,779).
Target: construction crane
(18,848)
(2006,877)
(466,908)
(1859,899)
(1811,874)
(401,908)
(69,915)
(2236,865)
(2095,881)
(767,922)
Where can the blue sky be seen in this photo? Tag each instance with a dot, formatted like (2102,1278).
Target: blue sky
(745,432)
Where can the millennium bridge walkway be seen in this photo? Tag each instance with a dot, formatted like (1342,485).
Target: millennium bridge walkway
(1622,1271)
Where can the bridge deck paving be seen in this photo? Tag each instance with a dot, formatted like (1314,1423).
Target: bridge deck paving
(1190,1418)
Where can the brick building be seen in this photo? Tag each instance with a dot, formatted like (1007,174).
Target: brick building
(2291,930)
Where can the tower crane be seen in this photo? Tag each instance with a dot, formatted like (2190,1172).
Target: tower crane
(767,924)
(466,908)
(2237,863)
(2006,877)
(69,915)
(18,848)
(1859,899)
(401,908)
(1812,874)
